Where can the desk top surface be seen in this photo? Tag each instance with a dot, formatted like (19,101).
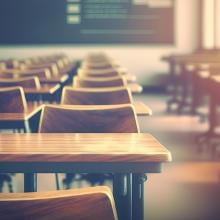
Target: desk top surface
(135,88)
(142,109)
(83,147)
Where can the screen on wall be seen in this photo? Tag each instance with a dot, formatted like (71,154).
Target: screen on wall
(86,22)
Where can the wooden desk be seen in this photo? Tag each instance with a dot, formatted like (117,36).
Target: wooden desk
(128,156)
(135,88)
(142,109)
(19,120)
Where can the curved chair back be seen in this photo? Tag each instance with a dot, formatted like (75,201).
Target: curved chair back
(40,73)
(95,82)
(88,119)
(51,66)
(103,73)
(6,75)
(12,100)
(95,203)
(96,96)
(29,82)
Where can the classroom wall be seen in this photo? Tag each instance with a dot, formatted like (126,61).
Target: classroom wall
(144,61)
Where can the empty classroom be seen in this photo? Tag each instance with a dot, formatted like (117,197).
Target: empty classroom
(109,110)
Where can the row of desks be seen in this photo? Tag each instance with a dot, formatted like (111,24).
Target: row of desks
(196,76)
(129,157)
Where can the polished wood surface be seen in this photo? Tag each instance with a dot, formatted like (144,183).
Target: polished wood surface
(29,82)
(12,100)
(96,96)
(88,119)
(94,82)
(95,203)
(82,147)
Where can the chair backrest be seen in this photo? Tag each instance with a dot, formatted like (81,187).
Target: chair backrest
(95,82)
(100,73)
(96,96)
(95,203)
(29,82)
(6,75)
(52,67)
(12,100)
(40,73)
(88,119)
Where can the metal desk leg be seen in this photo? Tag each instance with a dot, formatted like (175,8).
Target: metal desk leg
(30,182)
(122,190)
(138,196)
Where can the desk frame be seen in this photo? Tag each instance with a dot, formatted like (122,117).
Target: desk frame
(128,181)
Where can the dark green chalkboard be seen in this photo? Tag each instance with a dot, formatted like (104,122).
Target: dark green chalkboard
(32,22)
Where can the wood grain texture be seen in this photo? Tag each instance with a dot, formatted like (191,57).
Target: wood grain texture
(12,100)
(86,119)
(82,204)
(95,82)
(82,147)
(29,82)
(96,96)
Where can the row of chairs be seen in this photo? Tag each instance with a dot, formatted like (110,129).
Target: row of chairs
(94,103)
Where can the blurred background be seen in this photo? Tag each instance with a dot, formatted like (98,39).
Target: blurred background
(173,48)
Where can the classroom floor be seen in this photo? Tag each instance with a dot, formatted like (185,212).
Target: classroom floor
(189,187)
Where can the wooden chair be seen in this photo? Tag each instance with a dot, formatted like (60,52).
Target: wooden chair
(12,100)
(53,67)
(103,73)
(15,112)
(40,73)
(29,82)
(96,96)
(95,203)
(88,119)
(95,82)
(6,75)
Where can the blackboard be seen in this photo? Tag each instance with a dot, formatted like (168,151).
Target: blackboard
(33,22)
